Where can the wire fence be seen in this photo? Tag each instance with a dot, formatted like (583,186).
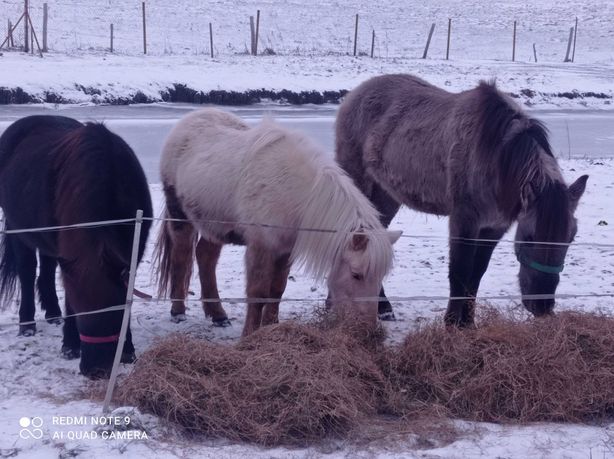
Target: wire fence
(394,29)
(231,300)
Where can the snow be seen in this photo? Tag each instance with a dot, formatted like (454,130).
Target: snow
(35,381)
(313,42)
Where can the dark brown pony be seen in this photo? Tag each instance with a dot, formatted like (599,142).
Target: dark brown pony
(55,171)
(474,156)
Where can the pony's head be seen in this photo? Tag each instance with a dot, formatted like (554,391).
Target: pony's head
(356,277)
(546,227)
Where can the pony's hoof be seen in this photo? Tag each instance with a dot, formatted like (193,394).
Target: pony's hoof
(387,316)
(70,353)
(224,322)
(128,357)
(55,321)
(27,330)
(176,318)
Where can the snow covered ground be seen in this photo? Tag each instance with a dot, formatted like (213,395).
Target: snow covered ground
(35,382)
(313,42)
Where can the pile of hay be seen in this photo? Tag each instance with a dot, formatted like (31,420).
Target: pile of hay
(554,369)
(286,383)
(291,383)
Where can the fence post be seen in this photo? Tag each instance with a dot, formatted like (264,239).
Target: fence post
(211,39)
(428,41)
(449,31)
(567,59)
(11,43)
(355,34)
(372,42)
(252,34)
(534,52)
(127,308)
(45,18)
(111,37)
(514,44)
(257,32)
(26,33)
(144,31)
(575,33)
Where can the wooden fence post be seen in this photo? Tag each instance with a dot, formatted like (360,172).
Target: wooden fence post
(575,33)
(211,39)
(144,31)
(567,59)
(45,19)
(11,43)
(534,52)
(355,34)
(372,42)
(514,44)
(428,41)
(26,32)
(449,31)
(252,33)
(111,37)
(257,32)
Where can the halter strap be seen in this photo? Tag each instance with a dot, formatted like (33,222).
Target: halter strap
(548,269)
(98,339)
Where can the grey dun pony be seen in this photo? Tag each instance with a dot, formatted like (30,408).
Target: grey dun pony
(474,156)
(255,187)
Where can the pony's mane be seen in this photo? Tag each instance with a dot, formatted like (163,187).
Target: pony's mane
(335,204)
(552,207)
(517,143)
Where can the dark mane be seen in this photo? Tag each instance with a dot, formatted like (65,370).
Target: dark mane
(552,207)
(514,140)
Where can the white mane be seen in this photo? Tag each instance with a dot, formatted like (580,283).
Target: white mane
(337,205)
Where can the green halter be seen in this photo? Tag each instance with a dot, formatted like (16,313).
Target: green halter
(549,269)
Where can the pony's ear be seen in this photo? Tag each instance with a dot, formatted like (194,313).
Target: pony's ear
(359,242)
(576,189)
(394,236)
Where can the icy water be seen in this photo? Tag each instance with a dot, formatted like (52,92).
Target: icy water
(574,133)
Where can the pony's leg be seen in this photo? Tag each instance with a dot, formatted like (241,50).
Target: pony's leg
(463,228)
(388,207)
(26,271)
(71,343)
(259,264)
(281,269)
(207,256)
(182,235)
(46,290)
(483,252)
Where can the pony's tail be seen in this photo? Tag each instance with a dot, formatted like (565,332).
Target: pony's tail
(8,271)
(161,263)
(162,257)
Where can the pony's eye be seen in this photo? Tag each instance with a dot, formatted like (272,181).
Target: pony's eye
(357,276)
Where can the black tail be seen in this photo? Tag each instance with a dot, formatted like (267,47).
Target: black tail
(8,270)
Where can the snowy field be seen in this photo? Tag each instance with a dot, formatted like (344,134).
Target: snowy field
(313,42)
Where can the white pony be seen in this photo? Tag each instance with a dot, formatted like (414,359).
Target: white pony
(256,187)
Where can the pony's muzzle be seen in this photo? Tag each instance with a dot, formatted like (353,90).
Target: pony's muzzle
(97,359)
(362,313)
(540,308)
